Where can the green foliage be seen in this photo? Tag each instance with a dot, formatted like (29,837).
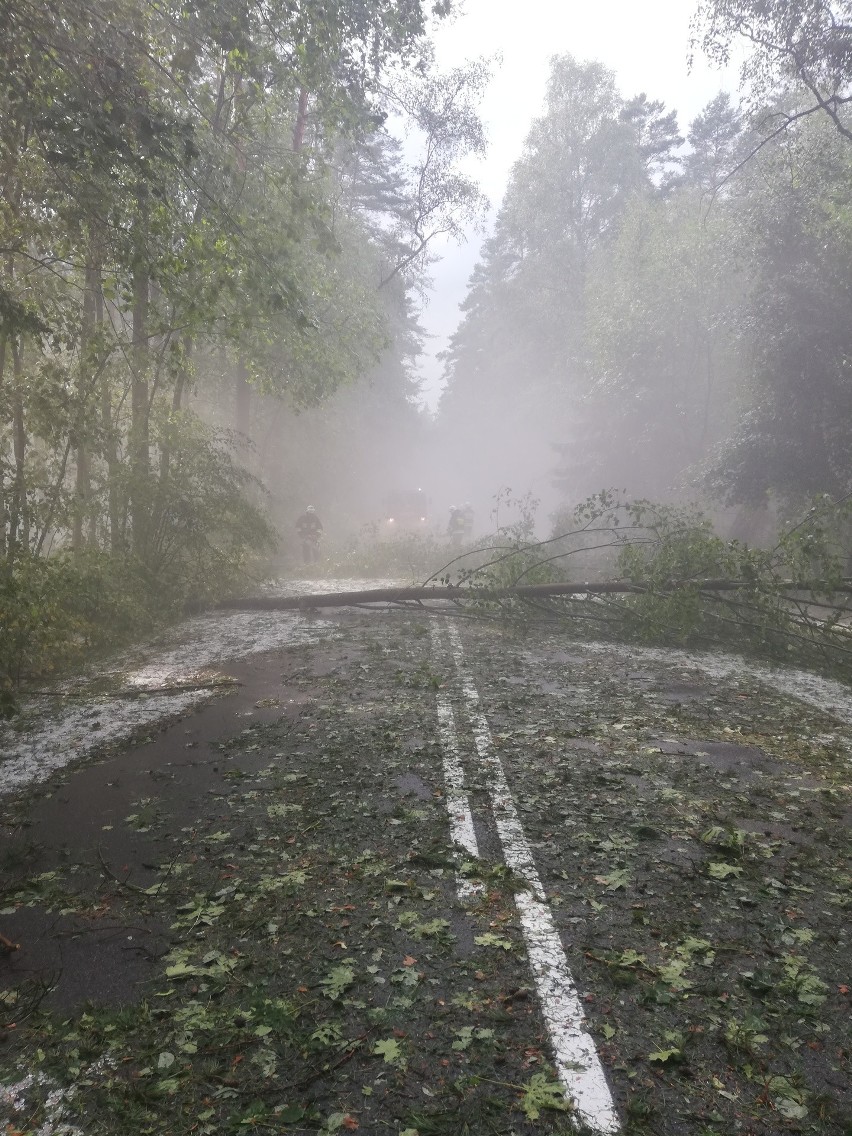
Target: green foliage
(207,525)
(37,631)
(671,545)
(182,223)
(510,555)
(517,367)
(390,1051)
(541,1092)
(677,582)
(338,980)
(673,320)
(792,437)
(795,38)
(204,534)
(662,377)
(54,611)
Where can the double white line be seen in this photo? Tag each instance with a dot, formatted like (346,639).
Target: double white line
(575,1057)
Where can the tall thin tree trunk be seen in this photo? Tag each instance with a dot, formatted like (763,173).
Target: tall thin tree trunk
(140,456)
(183,375)
(116,536)
(19,524)
(301,120)
(177,400)
(242,391)
(243,400)
(708,397)
(83,487)
(82,490)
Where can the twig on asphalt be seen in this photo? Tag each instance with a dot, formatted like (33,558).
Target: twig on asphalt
(121,883)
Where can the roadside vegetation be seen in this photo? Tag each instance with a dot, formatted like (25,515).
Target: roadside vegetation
(635,571)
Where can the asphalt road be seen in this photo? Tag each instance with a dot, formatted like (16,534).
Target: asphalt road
(538,885)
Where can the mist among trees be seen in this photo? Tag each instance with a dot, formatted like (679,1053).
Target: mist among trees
(216,229)
(206,228)
(664,312)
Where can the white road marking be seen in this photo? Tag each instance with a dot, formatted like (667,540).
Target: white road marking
(462,828)
(458,805)
(461,818)
(576,1059)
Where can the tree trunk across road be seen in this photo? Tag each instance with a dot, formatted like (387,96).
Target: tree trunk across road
(454,593)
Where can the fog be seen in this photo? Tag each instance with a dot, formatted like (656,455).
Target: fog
(610,338)
(501,264)
(647,48)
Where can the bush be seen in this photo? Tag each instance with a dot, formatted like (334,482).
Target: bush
(207,527)
(53,612)
(407,556)
(38,631)
(202,532)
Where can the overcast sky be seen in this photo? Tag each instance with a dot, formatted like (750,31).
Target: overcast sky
(645,44)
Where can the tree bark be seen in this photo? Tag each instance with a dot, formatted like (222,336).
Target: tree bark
(177,400)
(18,513)
(243,398)
(82,487)
(455,594)
(301,120)
(183,375)
(116,535)
(140,456)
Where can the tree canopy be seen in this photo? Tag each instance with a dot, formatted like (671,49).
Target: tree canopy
(206,225)
(664,316)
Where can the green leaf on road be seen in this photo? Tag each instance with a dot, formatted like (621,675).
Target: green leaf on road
(390,1051)
(541,1092)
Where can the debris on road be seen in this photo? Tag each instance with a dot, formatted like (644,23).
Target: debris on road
(294,951)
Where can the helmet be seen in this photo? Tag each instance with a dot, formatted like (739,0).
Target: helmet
(310,509)
(454,508)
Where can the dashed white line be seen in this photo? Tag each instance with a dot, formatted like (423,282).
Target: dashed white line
(577,1063)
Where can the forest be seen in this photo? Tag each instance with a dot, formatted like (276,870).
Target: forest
(216,229)
(665,312)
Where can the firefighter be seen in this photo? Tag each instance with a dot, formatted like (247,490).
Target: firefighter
(455,525)
(309,528)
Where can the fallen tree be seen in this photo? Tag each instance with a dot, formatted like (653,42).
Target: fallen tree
(472,593)
(651,574)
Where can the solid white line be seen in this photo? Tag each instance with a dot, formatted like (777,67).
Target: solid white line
(462,829)
(458,806)
(576,1059)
